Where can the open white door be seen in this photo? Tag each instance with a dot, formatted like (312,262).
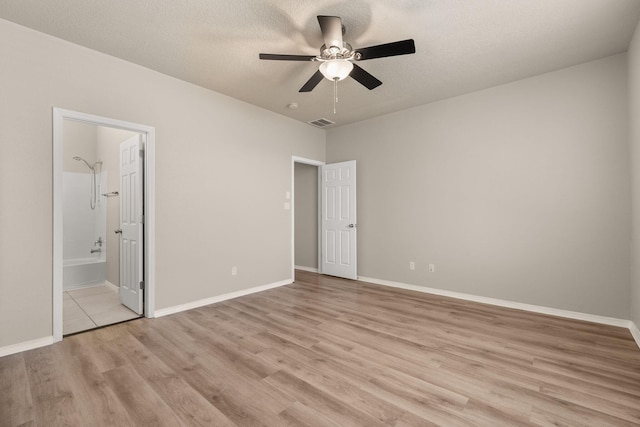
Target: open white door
(131,224)
(338,221)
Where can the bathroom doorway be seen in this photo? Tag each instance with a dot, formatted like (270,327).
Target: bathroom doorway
(91,227)
(101,222)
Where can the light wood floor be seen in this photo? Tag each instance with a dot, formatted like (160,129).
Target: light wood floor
(329,352)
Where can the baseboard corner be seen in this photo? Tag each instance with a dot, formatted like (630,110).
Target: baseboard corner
(219,298)
(635,332)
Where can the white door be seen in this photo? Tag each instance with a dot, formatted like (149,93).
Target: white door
(338,220)
(131,224)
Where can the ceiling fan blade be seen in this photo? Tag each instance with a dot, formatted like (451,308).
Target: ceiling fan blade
(277,57)
(364,78)
(403,47)
(331,27)
(312,82)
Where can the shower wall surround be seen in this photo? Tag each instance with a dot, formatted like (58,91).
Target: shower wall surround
(84,228)
(82,225)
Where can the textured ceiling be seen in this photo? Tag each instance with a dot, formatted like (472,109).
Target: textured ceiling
(461,45)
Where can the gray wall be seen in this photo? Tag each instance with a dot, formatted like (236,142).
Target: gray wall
(223,168)
(519,192)
(306,215)
(634,115)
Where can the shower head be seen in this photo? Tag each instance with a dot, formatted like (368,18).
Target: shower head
(80,159)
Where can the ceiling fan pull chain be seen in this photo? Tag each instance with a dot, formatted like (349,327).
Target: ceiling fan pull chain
(335,94)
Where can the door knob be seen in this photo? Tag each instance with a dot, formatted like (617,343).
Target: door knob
(351,226)
(118,231)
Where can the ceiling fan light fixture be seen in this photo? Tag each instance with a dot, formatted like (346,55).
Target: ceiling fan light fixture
(336,69)
(336,56)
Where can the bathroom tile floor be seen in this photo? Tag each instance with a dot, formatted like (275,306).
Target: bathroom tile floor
(88,308)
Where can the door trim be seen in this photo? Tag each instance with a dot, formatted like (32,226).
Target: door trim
(317,163)
(59,116)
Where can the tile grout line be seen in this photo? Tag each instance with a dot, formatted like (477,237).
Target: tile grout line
(103,297)
(116,306)
(78,304)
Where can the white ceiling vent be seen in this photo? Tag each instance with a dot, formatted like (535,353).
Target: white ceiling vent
(321,123)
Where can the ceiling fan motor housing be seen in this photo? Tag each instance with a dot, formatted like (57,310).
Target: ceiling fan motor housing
(334,52)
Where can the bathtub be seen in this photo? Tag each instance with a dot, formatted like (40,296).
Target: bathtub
(80,272)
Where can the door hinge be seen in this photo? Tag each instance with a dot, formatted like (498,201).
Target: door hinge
(142,285)
(141,219)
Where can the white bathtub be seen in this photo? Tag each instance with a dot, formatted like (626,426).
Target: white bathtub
(80,272)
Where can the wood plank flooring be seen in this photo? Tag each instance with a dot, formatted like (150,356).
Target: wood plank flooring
(331,352)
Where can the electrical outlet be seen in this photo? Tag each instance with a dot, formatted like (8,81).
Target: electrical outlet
(234,271)
(412,265)
(432,268)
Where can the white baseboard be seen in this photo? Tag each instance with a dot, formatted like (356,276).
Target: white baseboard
(83,285)
(311,269)
(504,303)
(635,332)
(24,346)
(112,286)
(212,300)
(633,328)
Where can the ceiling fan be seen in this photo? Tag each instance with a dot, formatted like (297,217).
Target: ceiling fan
(337,57)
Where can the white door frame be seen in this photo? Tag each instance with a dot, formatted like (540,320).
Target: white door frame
(294,160)
(59,116)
